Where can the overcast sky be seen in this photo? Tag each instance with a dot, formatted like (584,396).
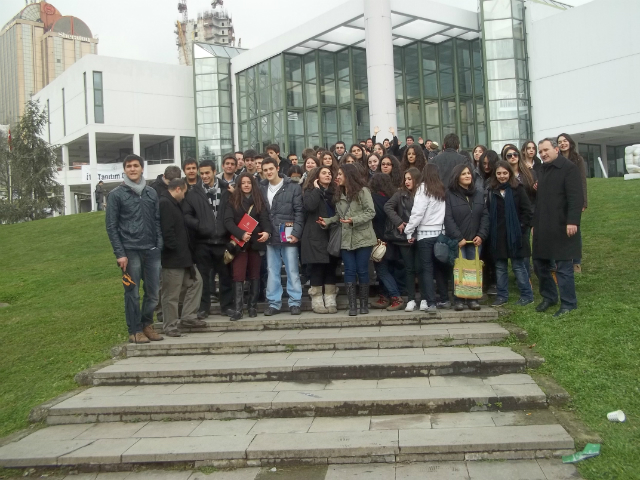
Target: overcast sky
(143,29)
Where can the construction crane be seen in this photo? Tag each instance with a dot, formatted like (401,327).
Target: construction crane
(182,38)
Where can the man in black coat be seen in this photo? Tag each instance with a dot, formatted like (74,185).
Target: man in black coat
(447,160)
(178,270)
(203,208)
(555,224)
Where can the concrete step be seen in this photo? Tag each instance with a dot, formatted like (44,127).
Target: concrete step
(341,319)
(312,365)
(347,338)
(203,401)
(319,440)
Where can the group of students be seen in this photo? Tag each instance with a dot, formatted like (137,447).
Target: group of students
(177,234)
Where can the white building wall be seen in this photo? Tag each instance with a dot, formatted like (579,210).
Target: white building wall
(584,65)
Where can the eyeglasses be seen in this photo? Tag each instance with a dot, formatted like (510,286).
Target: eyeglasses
(512,155)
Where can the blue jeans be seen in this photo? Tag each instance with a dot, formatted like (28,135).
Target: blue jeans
(566,284)
(276,255)
(356,262)
(391,288)
(432,269)
(522,278)
(143,265)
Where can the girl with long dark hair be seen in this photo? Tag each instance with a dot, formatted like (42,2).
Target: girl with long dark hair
(466,219)
(328,159)
(525,176)
(529,153)
(247,199)
(476,153)
(354,214)
(488,161)
(510,216)
(427,218)
(398,210)
(374,164)
(389,165)
(318,200)
(413,157)
(359,153)
(381,191)
(568,149)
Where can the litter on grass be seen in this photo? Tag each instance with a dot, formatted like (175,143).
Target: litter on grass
(590,450)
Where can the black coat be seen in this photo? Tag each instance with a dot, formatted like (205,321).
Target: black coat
(446,161)
(464,219)
(159,186)
(286,207)
(233,216)
(523,207)
(398,209)
(176,252)
(315,239)
(560,201)
(379,223)
(203,224)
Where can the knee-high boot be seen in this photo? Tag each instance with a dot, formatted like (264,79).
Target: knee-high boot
(238,297)
(353,302)
(254,294)
(364,298)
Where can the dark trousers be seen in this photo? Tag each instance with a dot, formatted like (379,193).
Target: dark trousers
(566,284)
(208,258)
(144,265)
(356,262)
(411,261)
(323,273)
(246,264)
(432,269)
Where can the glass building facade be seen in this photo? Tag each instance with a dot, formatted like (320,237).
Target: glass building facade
(300,101)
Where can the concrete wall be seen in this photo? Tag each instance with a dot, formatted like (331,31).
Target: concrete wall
(584,65)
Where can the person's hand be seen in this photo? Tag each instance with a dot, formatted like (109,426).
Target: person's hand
(231,189)
(399,142)
(584,208)
(392,131)
(376,130)
(348,220)
(315,183)
(401,227)
(321,222)
(411,240)
(263,237)
(122,263)
(420,141)
(572,230)
(462,243)
(292,239)
(246,237)
(535,186)
(477,241)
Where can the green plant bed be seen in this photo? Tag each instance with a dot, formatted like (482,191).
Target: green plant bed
(594,352)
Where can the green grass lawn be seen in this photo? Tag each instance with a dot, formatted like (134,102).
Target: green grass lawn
(61,280)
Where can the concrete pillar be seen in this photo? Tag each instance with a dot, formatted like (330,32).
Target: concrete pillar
(380,77)
(136,144)
(177,158)
(65,180)
(93,163)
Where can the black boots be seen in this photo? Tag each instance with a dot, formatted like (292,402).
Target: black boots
(364,298)
(351,294)
(238,297)
(254,294)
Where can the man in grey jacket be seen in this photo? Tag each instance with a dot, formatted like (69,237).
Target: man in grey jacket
(447,160)
(133,227)
(286,213)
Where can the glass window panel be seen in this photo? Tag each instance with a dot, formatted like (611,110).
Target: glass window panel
(311,118)
(494,9)
(504,129)
(476,53)
(517,9)
(449,112)
(206,65)
(210,99)
(253,133)
(330,126)
(251,79)
(503,109)
(265,131)
(429,63)
(362,122)
(446,82)
(295,123)
(99,114)
(252,105)
(502,89)
(465,87)
(346,122)
(518,29)
(327,78)
(244,136)
(310,67)
(294,94)
(223,82)
(466,110)
(225,115)
(400,117)
(208,115)
(224,98)
(478,81)
(276,96)
(277,125)
(264,101)
(468,137)
(397,60)
(414,115)
(399,87)
(413,86)
(311,94)
(480,113)
(432,113)
(521,69)
(445,54)
(498,49)
(343,64)
(411,61)
(523,110)
(361,86)
(276,69)
(206,82)
(497,29)
(482,133)
(97,80)
(344,91)
(296,144)
(498,69)
(431,85)
(293,68)
(463,54)
(208,131)
(313,140)
(97,97)
(518,48)
(524,130)
(433,133)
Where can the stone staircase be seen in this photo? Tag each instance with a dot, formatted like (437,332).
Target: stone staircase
(388,387)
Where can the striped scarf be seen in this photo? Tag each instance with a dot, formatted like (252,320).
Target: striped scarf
(213,194)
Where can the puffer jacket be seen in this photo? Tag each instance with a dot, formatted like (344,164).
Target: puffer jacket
(361,210)
(133,221)
(427,216)
(465,218)
(286,207)
(206,227)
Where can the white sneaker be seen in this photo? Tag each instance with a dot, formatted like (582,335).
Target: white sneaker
(411,306)
(423,305)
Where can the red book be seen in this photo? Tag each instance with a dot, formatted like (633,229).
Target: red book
(248,224)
